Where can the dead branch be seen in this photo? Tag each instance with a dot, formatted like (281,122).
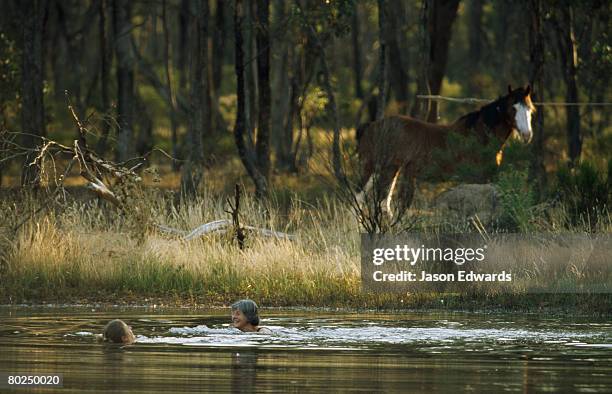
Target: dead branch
(234,211)
(221,227)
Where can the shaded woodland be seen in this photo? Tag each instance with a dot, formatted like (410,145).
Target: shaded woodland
(194,86)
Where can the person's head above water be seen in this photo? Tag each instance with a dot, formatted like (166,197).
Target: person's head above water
(117,331)
(245,317)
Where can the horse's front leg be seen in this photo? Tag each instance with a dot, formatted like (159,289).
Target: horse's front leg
(375,192)
(387,204)
(367,182)
(406,190)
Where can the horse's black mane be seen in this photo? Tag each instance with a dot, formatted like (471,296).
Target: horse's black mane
(491,114)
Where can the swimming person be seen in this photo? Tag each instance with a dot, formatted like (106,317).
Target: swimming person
(245,317)
(117,331)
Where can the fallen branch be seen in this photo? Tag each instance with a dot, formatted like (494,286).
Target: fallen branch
(221,226)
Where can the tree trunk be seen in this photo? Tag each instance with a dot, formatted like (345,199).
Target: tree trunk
(420,107)
(218,46)
(262,147)
(250,70)
(396,70)
(537,173)
(382,61)
(303,58)
(32,75)
(441,21)
(246,154)
(283,51)
(357,68)
(172,106)
(331,105)
(475,34)
(502,28)
(73,62)
(105,57)
(144,120)
(125,78)
(199,115)
(183,45)
(569,60)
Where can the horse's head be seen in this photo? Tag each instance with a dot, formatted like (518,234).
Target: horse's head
(519,108)
(507,113)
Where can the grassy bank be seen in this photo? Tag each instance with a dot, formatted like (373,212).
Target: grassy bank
(88,251)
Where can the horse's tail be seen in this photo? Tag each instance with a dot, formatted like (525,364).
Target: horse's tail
(360,130)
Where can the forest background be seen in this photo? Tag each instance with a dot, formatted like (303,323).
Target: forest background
(197,96)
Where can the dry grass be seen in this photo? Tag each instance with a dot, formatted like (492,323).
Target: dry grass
(88,250)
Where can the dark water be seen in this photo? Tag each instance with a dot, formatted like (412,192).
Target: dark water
(186,350)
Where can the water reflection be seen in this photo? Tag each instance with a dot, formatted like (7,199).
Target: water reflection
(182,350)
(244,371)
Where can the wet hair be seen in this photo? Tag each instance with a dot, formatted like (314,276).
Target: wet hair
(249,308)
(115,330)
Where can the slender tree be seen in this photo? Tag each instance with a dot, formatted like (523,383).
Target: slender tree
(32,74)
(262,145)
(420,107)
(125,78)
(245,151)
(382,61)
(172,107)
(442,17)
(183,44)
(568,55)
(356,46)
(398,76)
(250,69)
(331,99)
(105,58)
(199,114)
(282,54)
(536,79)
(218,43)
(475,38)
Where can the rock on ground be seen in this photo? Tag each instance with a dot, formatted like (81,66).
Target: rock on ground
(466,200)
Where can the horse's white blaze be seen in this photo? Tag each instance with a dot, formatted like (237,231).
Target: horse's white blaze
(523,121)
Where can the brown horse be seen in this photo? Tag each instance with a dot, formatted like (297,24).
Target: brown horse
(394,150)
